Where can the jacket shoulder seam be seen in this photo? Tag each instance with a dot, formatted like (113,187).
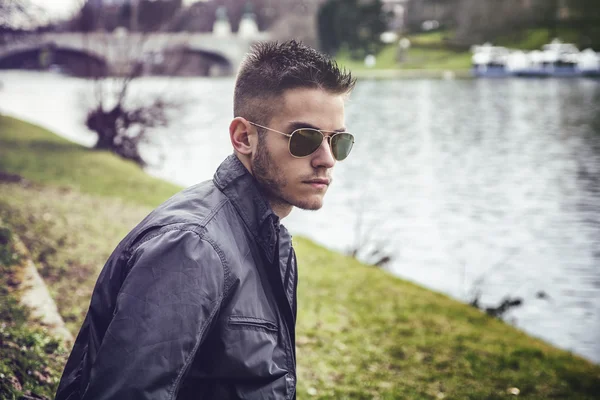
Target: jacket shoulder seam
(197,227)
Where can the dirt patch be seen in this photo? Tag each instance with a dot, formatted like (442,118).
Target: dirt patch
(33,294)
(12,178)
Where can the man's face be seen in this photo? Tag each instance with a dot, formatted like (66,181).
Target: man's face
(287,180)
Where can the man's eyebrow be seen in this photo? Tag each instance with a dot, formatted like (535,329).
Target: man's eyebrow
(298,125)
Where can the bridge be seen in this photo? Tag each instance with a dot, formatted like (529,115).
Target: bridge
(116,53)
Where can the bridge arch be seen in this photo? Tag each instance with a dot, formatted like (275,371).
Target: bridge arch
(52,57)
(186,61)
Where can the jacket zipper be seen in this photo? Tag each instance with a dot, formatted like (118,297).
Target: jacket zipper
(256,324)
(288,318)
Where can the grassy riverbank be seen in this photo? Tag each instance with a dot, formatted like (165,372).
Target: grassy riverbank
(417,58)
(427,57)
(361,332)
(432,56)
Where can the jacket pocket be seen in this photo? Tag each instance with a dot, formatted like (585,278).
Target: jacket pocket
(252,323)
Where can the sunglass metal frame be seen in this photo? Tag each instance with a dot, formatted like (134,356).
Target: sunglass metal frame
(322,132)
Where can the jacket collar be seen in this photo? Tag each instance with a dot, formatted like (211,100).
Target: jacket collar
(241,188)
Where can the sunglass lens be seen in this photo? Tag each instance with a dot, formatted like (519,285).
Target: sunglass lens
(341,145)
(305,141)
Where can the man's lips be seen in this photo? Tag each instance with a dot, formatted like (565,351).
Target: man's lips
(320,184)
(323,181)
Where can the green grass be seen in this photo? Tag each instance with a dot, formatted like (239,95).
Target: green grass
(361,333)
(534,39)
(40,157)
(30,360)
(428,51)
(365,333)
(436,38)
(415,58)
(419,58)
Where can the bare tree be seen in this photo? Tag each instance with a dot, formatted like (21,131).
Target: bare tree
(14,14)
(121,120)
(18,18)
(123,123)
(367,247)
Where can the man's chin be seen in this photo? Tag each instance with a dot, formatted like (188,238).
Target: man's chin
(309,204)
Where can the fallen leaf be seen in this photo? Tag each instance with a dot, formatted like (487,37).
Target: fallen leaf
(514,391)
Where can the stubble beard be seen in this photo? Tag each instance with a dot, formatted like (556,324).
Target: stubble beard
(272,182)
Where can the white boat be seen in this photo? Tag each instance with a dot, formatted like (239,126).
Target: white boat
(588,63)
(556,59)
(489,60)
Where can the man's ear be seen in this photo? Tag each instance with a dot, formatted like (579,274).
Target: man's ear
(242,135)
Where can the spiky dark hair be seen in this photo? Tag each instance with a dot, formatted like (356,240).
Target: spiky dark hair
(271,68)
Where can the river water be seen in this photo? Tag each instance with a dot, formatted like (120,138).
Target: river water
(489,186)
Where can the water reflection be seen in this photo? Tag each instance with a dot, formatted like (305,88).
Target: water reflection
(483,180)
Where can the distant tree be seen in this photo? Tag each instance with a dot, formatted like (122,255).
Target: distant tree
(442,11)
(200,16)
(152,15)
(21,18)
(584,15)
(329,37)
(352,24)
(294,19)
(11,11)
(143,15)
(16,16)
(478,21)
(86,20)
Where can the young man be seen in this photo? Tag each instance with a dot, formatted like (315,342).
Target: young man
(199,300)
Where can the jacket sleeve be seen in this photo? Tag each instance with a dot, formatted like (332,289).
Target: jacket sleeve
(164,311)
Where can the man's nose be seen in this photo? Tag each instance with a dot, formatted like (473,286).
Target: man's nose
(323,157)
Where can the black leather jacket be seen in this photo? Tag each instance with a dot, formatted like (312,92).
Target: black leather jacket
(197,302)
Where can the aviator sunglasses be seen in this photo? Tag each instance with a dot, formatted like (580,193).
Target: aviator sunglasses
(305,141)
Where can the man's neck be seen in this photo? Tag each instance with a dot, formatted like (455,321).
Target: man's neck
(245,162)
(280,208)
